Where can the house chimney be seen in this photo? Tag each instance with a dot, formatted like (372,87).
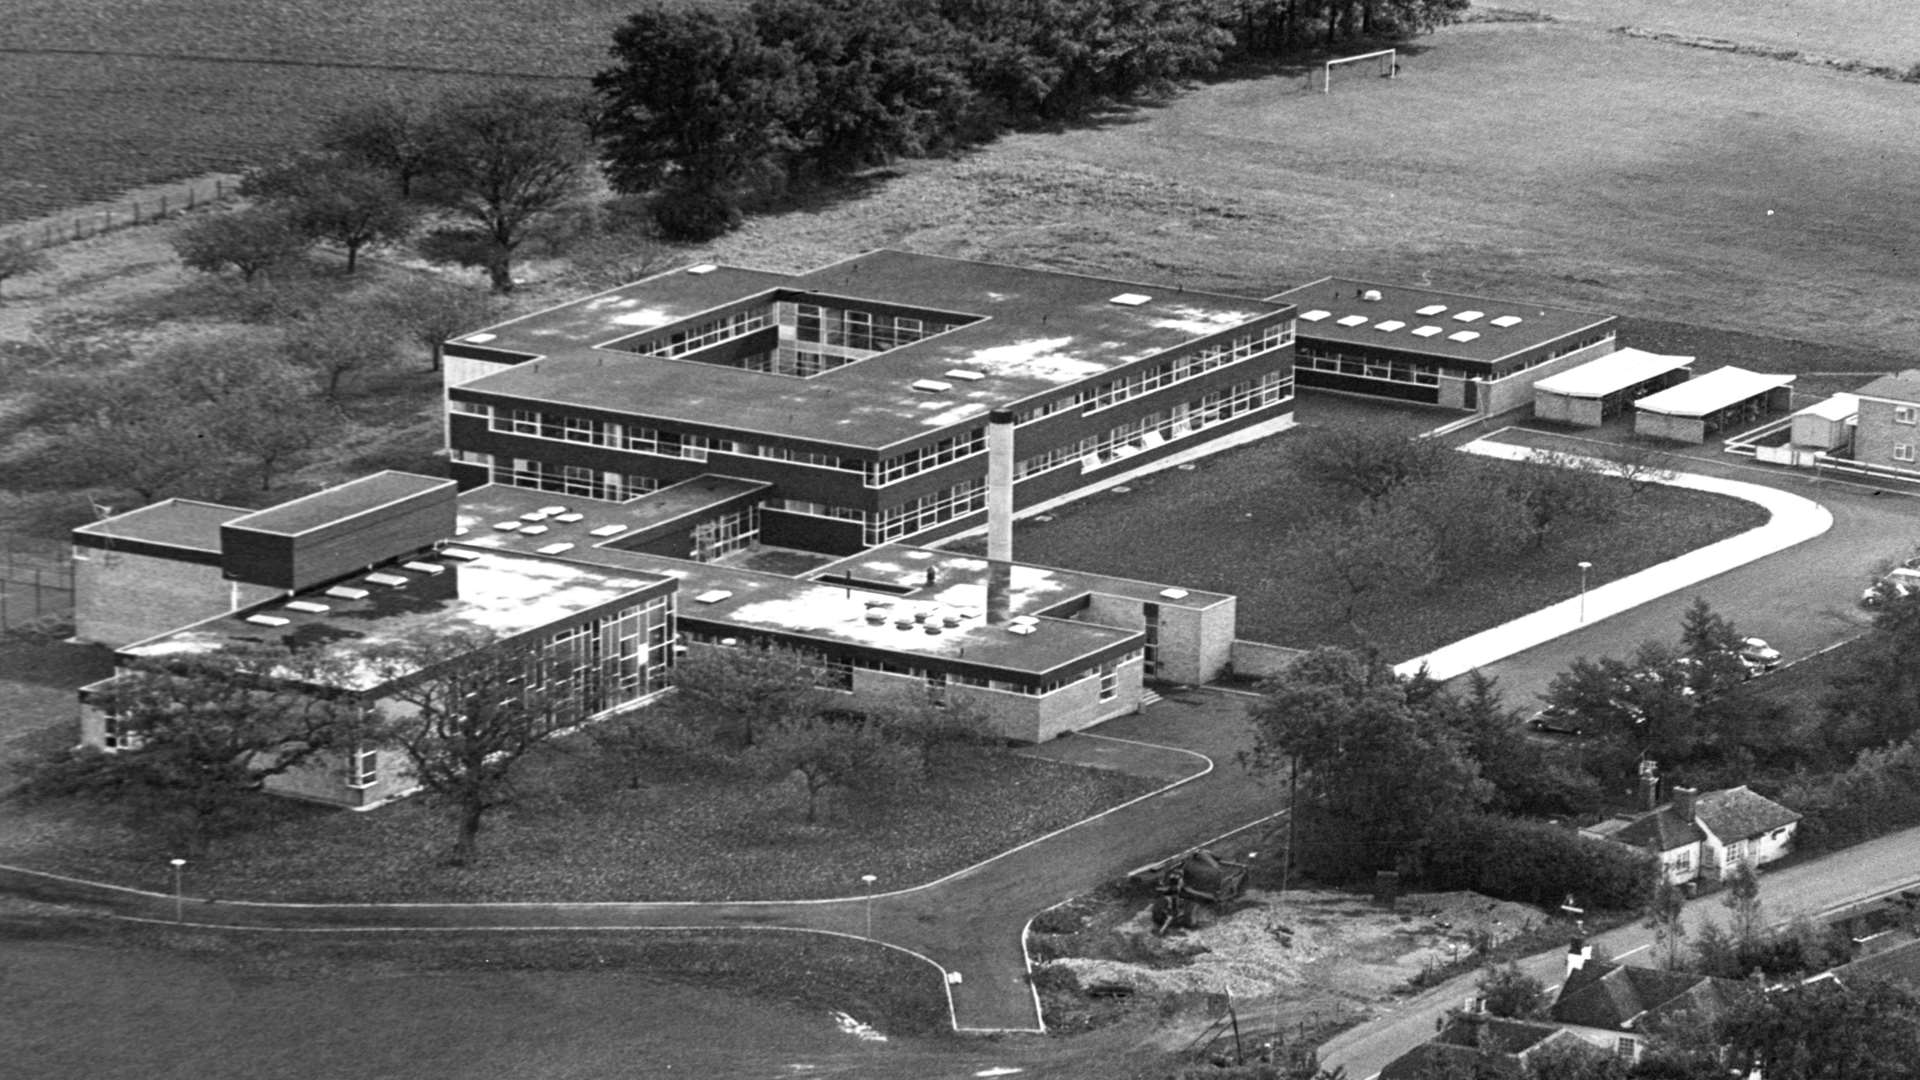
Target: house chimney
(1649,784)
(1686,800)
(1578,953)
(999,517)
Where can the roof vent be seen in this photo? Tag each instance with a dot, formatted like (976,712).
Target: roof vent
(423,567)
(932,386)
(1371,296)
(391,581)
(550,511)
(268,620)
(1505,321)
(507,526)
(1315,315)
(608,530)
(702,268)
(555,549)
(532,530)
(535,515)
(1468,316)
(1424,331)
(569,518)
(307,606)
(1431,309)
(1389,325)
(1023,620)
(964,375)
(1023,629)
(933,626)
(1174,594)
(1462,336)
(461,554)
(1130,299)
(713,596)
(479,339)
(347,592)
(1353,320)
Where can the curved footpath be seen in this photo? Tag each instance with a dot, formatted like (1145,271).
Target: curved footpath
(1794,520)
(971,925)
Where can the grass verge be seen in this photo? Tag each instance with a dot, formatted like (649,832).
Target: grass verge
(581,834)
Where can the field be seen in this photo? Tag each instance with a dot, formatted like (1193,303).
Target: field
(1879,31)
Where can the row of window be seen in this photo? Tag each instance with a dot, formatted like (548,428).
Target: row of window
(836,672)
(894,522)
(571,479)
(699,336)
(914,462)
(815,509)
(851,328)
(1158,428)
(1363,367)
(643,440)
(1178,369)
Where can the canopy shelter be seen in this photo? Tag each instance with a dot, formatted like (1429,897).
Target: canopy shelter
(1698,408)
(1598,390)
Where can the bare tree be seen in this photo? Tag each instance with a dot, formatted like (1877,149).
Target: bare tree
(469,710)
(431,311)
(252,241)
(506,161)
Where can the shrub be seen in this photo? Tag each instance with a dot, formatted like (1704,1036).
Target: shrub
(1532,862)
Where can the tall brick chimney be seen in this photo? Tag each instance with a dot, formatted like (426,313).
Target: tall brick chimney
(1686,801)
(999,517)
(1649,784)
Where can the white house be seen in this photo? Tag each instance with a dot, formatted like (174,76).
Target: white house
(1703,837)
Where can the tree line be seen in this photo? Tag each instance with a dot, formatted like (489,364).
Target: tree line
(713,110)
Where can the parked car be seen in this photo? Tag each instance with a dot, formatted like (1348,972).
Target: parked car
(1556,720)
(1756,653)
(1897,585)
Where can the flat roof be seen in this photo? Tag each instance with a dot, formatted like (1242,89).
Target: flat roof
(341,501)
(1618,370)
(494,595)
(1400,319)
(1035,588)
(1032,334)
(1711,392)
(829,611)
(1903,386)
(178,523)
(1837,407)
(483,509)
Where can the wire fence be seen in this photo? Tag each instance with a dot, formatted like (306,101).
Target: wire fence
(36,584)
(93,221)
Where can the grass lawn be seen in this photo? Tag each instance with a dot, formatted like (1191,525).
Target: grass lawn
(1245,501)
(581,834)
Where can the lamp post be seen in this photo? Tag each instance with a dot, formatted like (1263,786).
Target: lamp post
(178,865)
(869,879)
(1584,567)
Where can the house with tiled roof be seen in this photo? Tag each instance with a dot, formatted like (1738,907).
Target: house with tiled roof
(1616,1007)
(1704,836)
(1476,1044)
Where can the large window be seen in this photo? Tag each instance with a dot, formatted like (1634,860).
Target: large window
(1192,365)
(914,462)
(363,768)
(905,519)
(611,434)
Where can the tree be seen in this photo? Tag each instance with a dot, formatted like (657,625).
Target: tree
(251,240)
(736,693)
(1370,463)
(873,80)
(470,710)
(1376,776)
(1665,908)
(1875,701)
(643,739)
(329,198)
(1378,551)
(1559,488)
(1827,1030)
(1524,779)
(339,342)
(832,753)
(1742,901)
(505,161)
(261,408)
(431,311)
(1642,464)
(16,259)
(387,136)
(941,733)
(1513,993)
(199,735)
(695,108)
(1574,1059)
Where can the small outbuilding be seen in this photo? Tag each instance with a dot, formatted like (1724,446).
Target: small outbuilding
(1699,408)
(1599,390)
(1826,425)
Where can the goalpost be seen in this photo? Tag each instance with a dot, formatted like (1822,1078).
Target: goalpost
(1386,61)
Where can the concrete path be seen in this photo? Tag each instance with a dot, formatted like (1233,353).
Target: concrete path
(1864,872)
(970,925)
(1793,520)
